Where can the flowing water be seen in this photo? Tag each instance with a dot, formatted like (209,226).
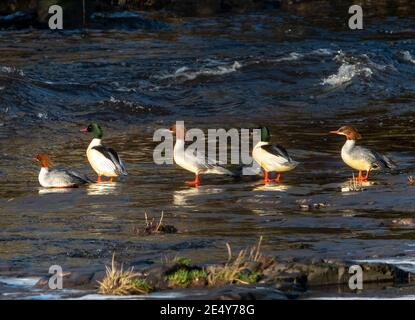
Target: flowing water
(300,77)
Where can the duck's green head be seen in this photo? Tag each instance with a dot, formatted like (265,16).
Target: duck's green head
(95,129)
(265,134)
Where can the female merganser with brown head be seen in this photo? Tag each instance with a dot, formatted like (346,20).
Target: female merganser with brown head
(192,162)
(58,178)
(360,158)
(272,157)
(105,161)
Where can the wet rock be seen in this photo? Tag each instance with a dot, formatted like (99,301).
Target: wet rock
(325,274)
(156,276)
(383,273)
(125,20)
(80,279)
(18,19)
(98,277)
(10,6)
(303,205)
(43,283)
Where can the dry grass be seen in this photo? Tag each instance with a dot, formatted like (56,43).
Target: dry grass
(152,227)
(235,269)
(411,180)
(119,282)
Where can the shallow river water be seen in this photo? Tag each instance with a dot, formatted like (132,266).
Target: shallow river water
(301,79)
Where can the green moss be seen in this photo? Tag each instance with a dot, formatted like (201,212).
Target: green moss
(249,277)
(184,278)
(141,285)
(183,261)
(229,275)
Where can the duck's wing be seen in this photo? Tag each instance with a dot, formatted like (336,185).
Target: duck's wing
(76,175)
(111,155)
(377,160)
(207,165)
(59,176)
(278,151)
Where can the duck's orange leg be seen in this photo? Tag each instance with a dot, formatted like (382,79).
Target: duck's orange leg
(278,178)
(360,176)
(266,178)
(111,179)
(99,180)
(196,181)
(366,177)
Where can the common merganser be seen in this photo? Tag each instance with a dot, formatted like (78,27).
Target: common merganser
(192,162)
(272,157)
(105,161)
(360,158)
(58,178)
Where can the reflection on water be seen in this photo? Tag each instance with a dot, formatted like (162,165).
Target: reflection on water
(54,190)
(103,188)
(188,196)
(272,187)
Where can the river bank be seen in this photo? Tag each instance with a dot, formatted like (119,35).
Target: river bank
(34,13)
(243,279)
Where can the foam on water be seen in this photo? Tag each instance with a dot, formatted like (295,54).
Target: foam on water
(11,70)
(346,73)
(293,56)
(408,57)
(215,70)
(18,282)
(353,66)
(322,52)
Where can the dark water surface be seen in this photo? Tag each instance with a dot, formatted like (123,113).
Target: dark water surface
(301,79)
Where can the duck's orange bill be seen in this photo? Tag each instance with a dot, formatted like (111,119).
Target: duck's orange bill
(335,132)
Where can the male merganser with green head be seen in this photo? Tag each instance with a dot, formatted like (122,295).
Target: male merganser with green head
(272,157)
(105,161)
(192,162)
(58,178)
(361,158)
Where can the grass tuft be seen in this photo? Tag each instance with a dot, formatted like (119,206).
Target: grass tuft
(236,269)
(119,282)
(152,227)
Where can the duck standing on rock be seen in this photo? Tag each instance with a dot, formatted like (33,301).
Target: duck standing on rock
(272,157)
(104,160)
(360,158)
(58,178)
